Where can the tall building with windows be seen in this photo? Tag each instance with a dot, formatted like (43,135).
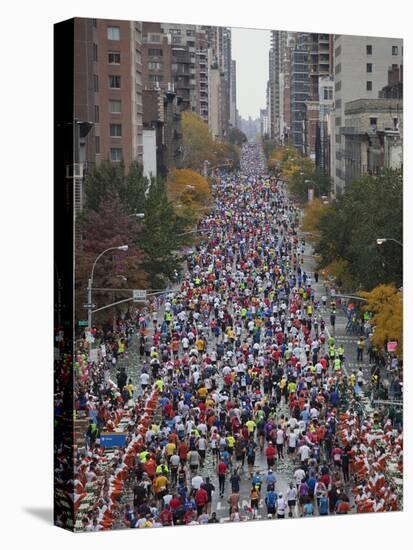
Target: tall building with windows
(118,91)
(189,45)
(220,65)
(300,91)
(107,96)
(277,59)
(233,94)
(323,136)
(156,57)
(320,49)
(264,122)
(202,82)
(361,65)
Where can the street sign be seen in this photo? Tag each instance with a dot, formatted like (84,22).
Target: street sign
(113,439)
(89,306)
(139,295)
(82,323)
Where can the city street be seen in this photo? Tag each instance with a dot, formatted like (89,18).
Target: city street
(237,349)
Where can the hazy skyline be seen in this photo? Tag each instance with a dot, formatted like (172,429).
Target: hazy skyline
(250,49)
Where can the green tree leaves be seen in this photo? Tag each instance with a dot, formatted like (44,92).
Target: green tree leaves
(371,207)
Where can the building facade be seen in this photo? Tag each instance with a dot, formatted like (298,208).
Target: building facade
(156,57)
(299,89)
(323,138)
(264,126)
(107,95)
(276,84)
(361,65)
(373,136)
(220,80)
(320,49)
(233,95)
(118,89)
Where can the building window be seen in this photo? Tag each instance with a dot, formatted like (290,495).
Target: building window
(337,69)
(338,104)
(155,52)
(369,67)
(114,82)
(155,65)
(396,123)
(328,93)
(395,50)
(369,49)
(115,130)
(337,85)
(95,52)
(373,121)
(95,83)
(114,58)
(154,38)
(155,78)
(97,144)
(115,154)
(115,106)
(113,33)
(337,51)
(96,113)
(369,85)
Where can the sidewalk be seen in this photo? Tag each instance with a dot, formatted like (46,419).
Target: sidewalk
(349,342)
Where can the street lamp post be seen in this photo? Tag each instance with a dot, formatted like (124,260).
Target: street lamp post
(124,248)
(384,240)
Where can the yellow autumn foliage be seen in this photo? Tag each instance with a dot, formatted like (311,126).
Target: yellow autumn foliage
(188,189)
(386,304)
(312,215)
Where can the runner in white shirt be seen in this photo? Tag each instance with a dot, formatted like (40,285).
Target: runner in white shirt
(304,453)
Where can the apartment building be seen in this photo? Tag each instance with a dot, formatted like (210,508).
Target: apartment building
(323,136)
(277,65)
(300,90)
(320,49)
(373,136)
(118,91)
(361,65)
(156,57)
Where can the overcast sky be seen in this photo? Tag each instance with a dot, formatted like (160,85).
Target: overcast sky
(250,50)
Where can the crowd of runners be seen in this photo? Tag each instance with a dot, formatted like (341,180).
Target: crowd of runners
(239,384)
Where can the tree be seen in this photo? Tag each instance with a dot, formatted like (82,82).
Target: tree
(236,137)
(158,234)
(386,304)
(111,179)
(197,141)
(226,154)
(371,207)
(160,237)
(312,216)
(110,227)
(198,145)
(188,189)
